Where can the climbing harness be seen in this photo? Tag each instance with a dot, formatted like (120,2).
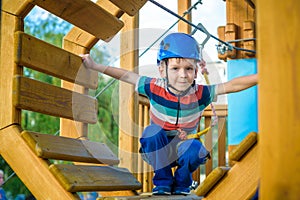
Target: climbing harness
(229,46)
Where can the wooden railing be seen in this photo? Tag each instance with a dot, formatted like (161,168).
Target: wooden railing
(214,140)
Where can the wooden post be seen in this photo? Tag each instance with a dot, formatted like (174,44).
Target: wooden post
(8,68)
(128,129)
(183,5)
(279,94)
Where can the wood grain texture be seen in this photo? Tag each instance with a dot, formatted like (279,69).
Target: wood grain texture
(52,60)
(84,14)
(94,178)
(40,97)
(69,149)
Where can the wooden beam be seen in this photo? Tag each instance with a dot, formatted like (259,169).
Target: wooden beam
(40,97)
(69,149)
(77,178)
(52,60)
(131,7)
(279,94)
(85,15)
(86,40)
(8,68)
(237,12)
(128,133)
(19,8)
(184,5)
(32,170)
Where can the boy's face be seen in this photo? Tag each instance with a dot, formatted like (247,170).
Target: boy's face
(181,73)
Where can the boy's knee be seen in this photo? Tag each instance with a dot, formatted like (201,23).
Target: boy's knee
(152,130)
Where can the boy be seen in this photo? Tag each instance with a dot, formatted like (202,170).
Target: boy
(176,105)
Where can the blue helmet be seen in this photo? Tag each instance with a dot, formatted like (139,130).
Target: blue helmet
(178,45)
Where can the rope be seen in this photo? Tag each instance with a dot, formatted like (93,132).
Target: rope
(199,28)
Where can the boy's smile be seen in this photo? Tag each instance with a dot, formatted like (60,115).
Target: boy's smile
(181,74)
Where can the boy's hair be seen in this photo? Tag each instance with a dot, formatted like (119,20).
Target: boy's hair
(165,62)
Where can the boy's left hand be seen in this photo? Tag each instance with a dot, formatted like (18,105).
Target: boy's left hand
(203,68)
(182,134)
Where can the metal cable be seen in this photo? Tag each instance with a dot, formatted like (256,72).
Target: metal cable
(199,28)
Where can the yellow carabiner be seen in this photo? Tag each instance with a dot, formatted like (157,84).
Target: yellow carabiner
(197,135)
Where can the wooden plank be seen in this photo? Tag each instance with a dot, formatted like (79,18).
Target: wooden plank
(32,170)
(279,119)
(8,68)
(131,7)
(222,128)
(63,148)
(183,6)
(241,180)
(70,128)
(18,8)
(128,133)
(84,39)
(76,178)
(41,97)
(52,60)
(211,180)
(240,150)
(221,110)
(84,14)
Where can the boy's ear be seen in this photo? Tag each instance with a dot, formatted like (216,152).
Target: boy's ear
(196,72)
(162,71)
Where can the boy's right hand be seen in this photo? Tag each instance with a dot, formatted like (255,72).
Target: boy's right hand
(87,61)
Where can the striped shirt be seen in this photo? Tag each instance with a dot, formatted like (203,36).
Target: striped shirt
(172,111)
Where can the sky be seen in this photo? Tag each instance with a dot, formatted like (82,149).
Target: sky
(211,14)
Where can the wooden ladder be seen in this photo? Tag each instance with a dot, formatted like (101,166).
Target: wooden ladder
(34,156)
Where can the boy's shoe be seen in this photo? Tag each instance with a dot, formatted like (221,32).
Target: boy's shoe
(182,191)
(161,190)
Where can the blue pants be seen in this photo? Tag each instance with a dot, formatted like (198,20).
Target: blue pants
(163,153)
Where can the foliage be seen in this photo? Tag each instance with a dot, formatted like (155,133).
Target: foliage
(52,29)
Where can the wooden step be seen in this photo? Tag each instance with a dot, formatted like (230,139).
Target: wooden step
(84,14)
(240,150)
(63,148)
(75,178)
(211,180)
(38,55)
(131,7)
(48,99)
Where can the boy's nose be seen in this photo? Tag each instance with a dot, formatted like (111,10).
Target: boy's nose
(182,72)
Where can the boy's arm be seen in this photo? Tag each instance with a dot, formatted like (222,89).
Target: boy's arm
(117,73)
(237,84)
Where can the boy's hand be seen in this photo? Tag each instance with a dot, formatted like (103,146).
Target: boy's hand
(203,68)
(182,134)
(88,61)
